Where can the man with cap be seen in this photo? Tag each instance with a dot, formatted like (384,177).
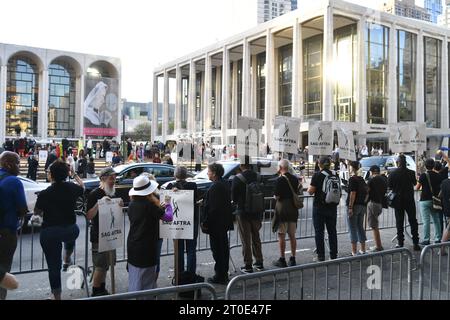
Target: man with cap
(377,190)
(324,214)
(100,260)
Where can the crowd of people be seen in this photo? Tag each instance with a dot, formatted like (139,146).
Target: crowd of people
(223,207)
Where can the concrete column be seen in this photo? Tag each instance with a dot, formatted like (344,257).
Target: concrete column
(392,112)
(191,99)
(444,86)
(297,72)
(218,109)
(207,85)
(179,100)
(234,96)
(3,83)
(361,83)
(43,105)
(253,86)
(270,87)
(420,88)
(155,108)
(225,93)
(328,35)
(246,80)
(165,120)
(80,116)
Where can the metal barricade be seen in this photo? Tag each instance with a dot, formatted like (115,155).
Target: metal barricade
(155,293)
(434,279)
(378,276)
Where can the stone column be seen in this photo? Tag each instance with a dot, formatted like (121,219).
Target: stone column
(420,88)
(328,84)
(246,80)
(179,100)
(155,108)
(297,72)
(392,77)
(165,120)
(225,93)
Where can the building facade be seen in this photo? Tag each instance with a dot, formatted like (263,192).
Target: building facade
(434,8)
(331,60)
(270,9)
(51,94)
(406,8)
(444,19)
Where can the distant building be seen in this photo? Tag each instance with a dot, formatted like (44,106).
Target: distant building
(444,18)
(434,8)
(406,8)
(270,9)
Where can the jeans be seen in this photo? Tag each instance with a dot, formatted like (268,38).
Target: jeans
(191,251)
(410,208)
(52,239)
(428,213)
(8,244)
(325,217)
(221,253)
(356,224)
(140,279)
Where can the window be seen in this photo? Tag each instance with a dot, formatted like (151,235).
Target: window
(133,173)
(184,104)
(312,52)
(285,81)
(377,48)
(432,82)
(239,88)
(261,85)
(198,103)
(61,104)
(160,172)
(406,75)
(22,96)
(216,103)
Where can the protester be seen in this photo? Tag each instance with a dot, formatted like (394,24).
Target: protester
(377,187)
(356,209)
(249,222)
(324,213)
(156,158)
(14,207)
(286,212)
(217,220)
(430,184)
(189,245)
(91,168)
(168,160)
(57,205)
(82,165)
(33,165)
(144,212)
(101,260)
(402,182)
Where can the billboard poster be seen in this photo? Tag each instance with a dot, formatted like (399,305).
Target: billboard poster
(286,134)
(101,107)
(320,138)
(418,132)
(400,138)
(346,144)
(248,137)
(182,225)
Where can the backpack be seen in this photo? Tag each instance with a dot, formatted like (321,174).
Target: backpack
(331,188)
(2,210)
(254,197)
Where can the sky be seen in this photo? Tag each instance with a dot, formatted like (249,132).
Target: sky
(142,33)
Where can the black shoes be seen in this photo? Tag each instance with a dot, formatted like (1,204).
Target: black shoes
(416,247)
(258,266)
(280,263)
(217,280)
(292,262)
(247,269)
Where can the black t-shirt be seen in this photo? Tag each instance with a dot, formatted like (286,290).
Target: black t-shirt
(93,197)
(377,188)
(58,202)
(282,188)
(436,180)
(402,182)
(143,237)
(357,184)
(317,182)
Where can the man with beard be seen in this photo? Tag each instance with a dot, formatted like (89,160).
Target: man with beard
(13,206)
(100,260)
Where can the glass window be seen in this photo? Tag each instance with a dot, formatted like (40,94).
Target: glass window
(432,79)
(345,53)
(216,102)
(61,105)
(312,68)
(285,81)
(184,104)
(22,96)
(261,85)
(406,75)
(198,103)
(239,93)
(377,47)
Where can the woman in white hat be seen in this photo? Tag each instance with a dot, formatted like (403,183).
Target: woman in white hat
(144,212)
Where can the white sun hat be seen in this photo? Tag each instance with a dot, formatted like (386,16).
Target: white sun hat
(143,186)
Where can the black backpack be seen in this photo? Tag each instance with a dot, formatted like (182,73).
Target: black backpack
(254,197)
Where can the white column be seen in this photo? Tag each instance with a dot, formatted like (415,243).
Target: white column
(80,116)
(420,89)
(297,72)
(218,98)
(155,108)
(234,96)
(43,105)
(191,99)
(327,64)
(392,112)
(3,82)
(246,80)
(179,100)
(444,86)
(361,82)
(270,87)
(165,120)
(225,93)
(253,86)
(207,94)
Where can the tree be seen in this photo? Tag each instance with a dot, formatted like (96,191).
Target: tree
(141,132)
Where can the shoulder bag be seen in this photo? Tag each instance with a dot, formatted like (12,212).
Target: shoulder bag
(437,202)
